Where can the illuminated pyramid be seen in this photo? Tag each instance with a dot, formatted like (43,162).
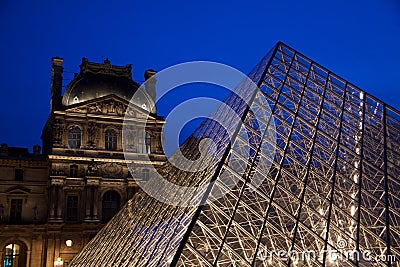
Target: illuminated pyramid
(313,169)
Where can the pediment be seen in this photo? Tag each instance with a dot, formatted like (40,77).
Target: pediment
(18,189)
(109,105)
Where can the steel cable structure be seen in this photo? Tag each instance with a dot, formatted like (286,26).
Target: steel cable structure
(329,193)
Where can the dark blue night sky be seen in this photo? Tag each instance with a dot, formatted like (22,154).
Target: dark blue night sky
(358,40)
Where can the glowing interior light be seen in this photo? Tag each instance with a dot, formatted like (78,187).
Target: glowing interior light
(321,211)
(58,262)
(355,178)
(356,163)
(332,257)
(353,210)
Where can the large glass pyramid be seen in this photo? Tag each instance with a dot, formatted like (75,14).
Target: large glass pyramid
(312,174)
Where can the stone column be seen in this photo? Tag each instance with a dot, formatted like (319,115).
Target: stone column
(52,202)
(28,257)
(60,198)
(95,201)
(57,246)
(50,250)
(87,200)
(92,184)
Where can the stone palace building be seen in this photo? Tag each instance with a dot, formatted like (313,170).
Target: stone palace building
(52,202)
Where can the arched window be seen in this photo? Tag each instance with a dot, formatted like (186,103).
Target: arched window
(110,205)
(74,137)
(14,255)
(110,139)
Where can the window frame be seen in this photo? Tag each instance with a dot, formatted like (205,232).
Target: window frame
(110,139)
(73,171)
(19,174)
(74,137)
(14,257)
(16,210)
(145,174)
(72,212)
(147,143)
(110,197)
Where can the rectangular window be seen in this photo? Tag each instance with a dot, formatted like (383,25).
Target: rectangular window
(145,174)
(73,171)
(19,175)
(111,140)
(72,208)
(16,211)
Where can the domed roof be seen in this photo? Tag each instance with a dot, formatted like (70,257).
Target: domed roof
(97,80)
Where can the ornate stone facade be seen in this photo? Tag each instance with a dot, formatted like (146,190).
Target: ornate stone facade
(81,180)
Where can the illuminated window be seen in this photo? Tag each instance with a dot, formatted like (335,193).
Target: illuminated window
(110,139)
(72,208)
(74,137)
(16,211)
(14,255)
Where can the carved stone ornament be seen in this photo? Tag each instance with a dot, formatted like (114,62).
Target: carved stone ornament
(92,131)
(111,170)
(57,131)
(111,107)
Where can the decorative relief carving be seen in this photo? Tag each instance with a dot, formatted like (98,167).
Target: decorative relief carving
(130,140)
(57,132)
(106,68)
(111,170)
(92,131)
(55,181)
(92,169)
(59,170)
(105,107)
(110,106)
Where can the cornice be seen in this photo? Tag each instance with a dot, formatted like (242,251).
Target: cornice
(107,160)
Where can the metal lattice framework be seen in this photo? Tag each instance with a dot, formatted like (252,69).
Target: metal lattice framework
(333,187)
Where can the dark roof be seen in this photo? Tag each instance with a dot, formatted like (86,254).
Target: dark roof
(100,79)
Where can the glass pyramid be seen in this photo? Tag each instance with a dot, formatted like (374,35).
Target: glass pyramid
(328,155)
